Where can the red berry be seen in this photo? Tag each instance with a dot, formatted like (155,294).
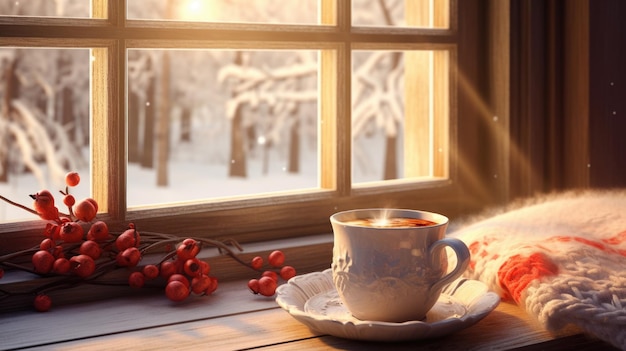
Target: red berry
(270,274)
(129,257)
(94,203)
(253,285)
(212,287)
(179,277)
(267,286)
(42,303)
(200,284)
(136,280)
(150,271)
(192,267)
(44,205)
(257,262)
(276,258)
(187,249)
(71,232)
(287,272)
(83,265)
(85,210)
(168,268)
(205,267)
(91,249)
(69,200)
(42,261)
(1,273)
(98,231)
(176,291)
(128,238)
(72,179)
(46,244)
(61,265)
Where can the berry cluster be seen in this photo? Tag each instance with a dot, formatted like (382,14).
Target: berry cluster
(268,282)
(65,234)
(184,273)
(79,247)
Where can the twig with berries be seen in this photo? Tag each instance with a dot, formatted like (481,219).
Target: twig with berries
(78,249)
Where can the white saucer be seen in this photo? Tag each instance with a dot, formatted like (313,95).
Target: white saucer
(313,300)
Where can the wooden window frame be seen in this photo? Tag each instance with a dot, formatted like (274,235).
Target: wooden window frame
(466,188)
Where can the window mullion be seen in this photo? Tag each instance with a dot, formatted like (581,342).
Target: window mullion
(344,119)
(328,120)
(99,9)
(335,140)
(441,112)
(344,110)
(108,150)
(108,134)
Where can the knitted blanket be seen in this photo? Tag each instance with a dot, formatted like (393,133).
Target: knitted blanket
(561,258)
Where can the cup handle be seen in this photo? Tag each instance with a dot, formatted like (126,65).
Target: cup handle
(462,255)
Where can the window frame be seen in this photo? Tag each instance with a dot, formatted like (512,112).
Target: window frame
(274,217)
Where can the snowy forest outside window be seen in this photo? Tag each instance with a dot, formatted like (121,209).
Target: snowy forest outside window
(223,101)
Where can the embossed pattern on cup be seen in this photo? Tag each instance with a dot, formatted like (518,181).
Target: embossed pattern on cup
(390,274)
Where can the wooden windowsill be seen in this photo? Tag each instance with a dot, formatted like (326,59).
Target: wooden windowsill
(307,254)
(234,319)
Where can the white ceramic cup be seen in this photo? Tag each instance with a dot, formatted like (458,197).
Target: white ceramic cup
(392,274)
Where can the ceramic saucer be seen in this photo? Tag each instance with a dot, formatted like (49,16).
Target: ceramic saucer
(313,300)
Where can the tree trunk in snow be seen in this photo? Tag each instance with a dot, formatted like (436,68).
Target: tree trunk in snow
(266,158)
(391,145)
(237,166)
(147,155)
(163,134)
(185,124)
(391,164)
(134,153)
(294,147)
(11,91)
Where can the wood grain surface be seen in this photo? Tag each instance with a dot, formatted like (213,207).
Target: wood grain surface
(234,319)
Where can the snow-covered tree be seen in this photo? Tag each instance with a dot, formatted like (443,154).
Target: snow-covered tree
(44,101)
(38,141)
(378,95)
(279,90)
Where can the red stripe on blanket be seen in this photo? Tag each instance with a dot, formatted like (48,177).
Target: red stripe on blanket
(618,239)
(596,244)
(519,271)
(478,251)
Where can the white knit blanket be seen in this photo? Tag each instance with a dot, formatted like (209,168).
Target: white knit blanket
(561,258)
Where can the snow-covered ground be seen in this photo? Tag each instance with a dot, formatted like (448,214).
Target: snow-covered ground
(191,179)
(188,181)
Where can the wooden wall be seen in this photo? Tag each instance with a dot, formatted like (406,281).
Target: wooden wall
(607,94)
(568,95)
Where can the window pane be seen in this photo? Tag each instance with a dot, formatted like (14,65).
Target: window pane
(401,13)
(244,11)
(45,8)
(400,115)
(230,123)
(44,124)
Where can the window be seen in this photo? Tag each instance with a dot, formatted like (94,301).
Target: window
(216,97)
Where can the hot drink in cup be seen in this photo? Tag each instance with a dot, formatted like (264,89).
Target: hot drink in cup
(391,264)
(395,222)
